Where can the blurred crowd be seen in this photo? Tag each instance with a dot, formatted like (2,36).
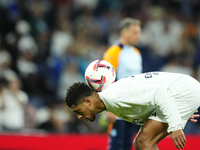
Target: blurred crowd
(46,45)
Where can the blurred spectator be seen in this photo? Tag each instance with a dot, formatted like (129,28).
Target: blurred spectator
(26,41)
(28,50)
(37,20)
(61,39)
(182,61)
(198,31)
(162,33)
(25,64)
(58,118)
(13,112)
(11,41)
(3,86)
(196,66)
(90,4)
(82,25)
(54,118)
(29,118)
(69,75)
(5,64)
(43,41)
(174,65)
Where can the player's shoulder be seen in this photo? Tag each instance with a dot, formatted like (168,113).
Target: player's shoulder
(112,54)
(124,82)
(137,50)
(113,50)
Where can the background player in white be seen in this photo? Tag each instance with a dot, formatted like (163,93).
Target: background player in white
(127,60)
(161,102)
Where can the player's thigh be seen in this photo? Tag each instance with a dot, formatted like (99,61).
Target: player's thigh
(152,132)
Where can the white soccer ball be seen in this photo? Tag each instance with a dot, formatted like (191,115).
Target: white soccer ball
(99,75)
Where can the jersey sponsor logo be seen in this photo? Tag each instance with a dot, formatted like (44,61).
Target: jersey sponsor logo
(137,121)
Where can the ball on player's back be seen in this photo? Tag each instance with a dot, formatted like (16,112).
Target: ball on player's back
(100,74)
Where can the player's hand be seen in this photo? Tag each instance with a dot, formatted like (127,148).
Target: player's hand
(111,118)
(178,138)
(192,118)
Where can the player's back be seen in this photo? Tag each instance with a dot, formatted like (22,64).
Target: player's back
(164,79)
(147,84)
(172,82)
(137,96)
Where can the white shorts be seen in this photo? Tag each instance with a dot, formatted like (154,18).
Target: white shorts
(187,98)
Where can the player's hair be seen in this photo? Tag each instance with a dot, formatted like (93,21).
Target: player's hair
(125,23)
(77,92)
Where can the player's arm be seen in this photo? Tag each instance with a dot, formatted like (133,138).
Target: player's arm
(168,107)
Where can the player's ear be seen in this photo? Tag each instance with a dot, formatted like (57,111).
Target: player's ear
(87,101)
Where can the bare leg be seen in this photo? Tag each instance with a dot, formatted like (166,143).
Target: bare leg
(149,135)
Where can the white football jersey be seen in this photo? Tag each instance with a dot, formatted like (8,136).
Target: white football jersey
(134,98)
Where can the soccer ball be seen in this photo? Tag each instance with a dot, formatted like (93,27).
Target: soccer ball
(99,75)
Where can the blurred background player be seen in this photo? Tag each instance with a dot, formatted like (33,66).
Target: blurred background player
(127,60)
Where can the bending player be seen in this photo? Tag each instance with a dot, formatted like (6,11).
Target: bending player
(161,102)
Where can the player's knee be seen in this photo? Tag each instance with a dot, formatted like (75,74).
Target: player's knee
(141,142)
(135,144)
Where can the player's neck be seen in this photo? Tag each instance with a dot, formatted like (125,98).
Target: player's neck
(123,41)
(99,104)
